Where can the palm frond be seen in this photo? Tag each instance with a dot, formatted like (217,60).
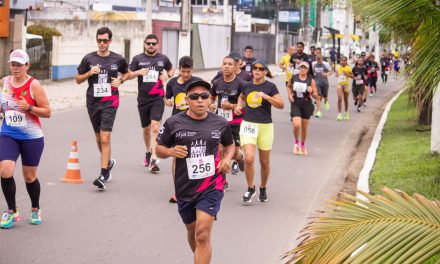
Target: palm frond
(389,228)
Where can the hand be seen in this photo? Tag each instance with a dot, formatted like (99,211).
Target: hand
(169,102)
(143,71)
(164,77)
(261,95)
(291,98)
(237,110)
(226,105)
(224,165)
(179,151)
(181,105)
(23,104)
(309,89)
(116,82)
(211,108)
(94,70)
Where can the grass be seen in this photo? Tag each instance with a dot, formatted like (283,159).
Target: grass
(403,159)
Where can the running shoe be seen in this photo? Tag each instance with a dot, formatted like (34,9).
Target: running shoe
(355,102)
(147,159)
(262,197)
(339,118)
(35,217)
(359,109)
(173,199)
(303,150)
(347,116)
(111,164)
(371,94)
(247,197)
(327,106)
(154,167)
(318,114)
(297,149)
(8,219)
(234,168)
(99,182)
(365,104)
(226,187)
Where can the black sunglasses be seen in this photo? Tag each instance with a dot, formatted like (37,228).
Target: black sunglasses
(258,68)
(105,41)
(195,96)
(150,43)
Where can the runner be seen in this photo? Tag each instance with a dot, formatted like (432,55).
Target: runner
(333,58)
(228,89)
(248,59)
(100,69)
(257,130)
(343,72)
(22,103)
(358,87)
(176,95)
(365,65)
(312,56)
(396,53)
(193,139)
(244,75)
(396,64)
(385,68)
(322,70)
(148,67)
(285,63)
(300,91)
(298,57)
(372,75)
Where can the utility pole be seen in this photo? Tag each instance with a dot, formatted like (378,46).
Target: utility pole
(277,25)
(88,17)
(148,21)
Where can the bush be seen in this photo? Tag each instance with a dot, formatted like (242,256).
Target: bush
(45,32)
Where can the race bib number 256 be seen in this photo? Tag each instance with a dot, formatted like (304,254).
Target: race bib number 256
(200,167)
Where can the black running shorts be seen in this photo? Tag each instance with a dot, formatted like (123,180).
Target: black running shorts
(357,89)
(152,110)
(103,119)
(236,134)
(322,89)
(302,108)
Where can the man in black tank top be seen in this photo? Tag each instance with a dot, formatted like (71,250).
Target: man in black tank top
(300,89)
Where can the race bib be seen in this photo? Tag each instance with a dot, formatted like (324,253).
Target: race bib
(152,76)
(387,72)
(300,87)
(290,69)
(248,68)
(342,78)
(200,168)
(102,90)
(15,118)
(358,82)
(249,129)
(227,114)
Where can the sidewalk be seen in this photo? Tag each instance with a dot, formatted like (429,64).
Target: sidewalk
(67,94)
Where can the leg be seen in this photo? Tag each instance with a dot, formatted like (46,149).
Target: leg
(147,137)
(249,158)
(98,141)
(265,166)
(340,94)
(32,185)
(105,140)
(346,95)
(155,126)
(296,123)
(304,126)
(203,229)
(7,168)
(191,235)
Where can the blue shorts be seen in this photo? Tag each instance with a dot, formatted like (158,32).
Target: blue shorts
(208,203)
(29,149)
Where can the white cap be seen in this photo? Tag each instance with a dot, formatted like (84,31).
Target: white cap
(19,56)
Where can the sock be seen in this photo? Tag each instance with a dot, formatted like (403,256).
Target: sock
(33,190)
(8,187)
(296,141)
(104,172)
(303,143)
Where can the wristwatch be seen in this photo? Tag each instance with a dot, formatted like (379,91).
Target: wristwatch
(30,108)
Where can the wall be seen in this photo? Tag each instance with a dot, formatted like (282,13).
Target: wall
(70,48)
(14,41)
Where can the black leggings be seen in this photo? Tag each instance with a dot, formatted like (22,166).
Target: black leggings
(372,84)
(384,76)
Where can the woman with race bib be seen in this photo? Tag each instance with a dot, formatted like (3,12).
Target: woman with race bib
(256,129)
(343,72)
(22,103)
(300,90)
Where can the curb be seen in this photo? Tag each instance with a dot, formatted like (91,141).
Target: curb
(364,175)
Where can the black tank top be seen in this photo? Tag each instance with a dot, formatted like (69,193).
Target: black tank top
(300,87)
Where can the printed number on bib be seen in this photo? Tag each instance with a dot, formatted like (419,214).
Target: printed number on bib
(15,118)
(200,168)
(290,69)
(152,76)
(102,89)
(342,78)
(248,68)
(250,130)
(359,82)
(225,113)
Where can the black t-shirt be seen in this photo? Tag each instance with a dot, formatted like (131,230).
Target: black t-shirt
(244,75)
(359,72)
(202,139)
(229,91)
(258,110)
(248,66)
(302,57)
(110,66)
(177,91)
(150,87)
(300,87)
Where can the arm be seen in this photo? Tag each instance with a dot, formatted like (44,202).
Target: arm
(178,151)
(240,104)
(80,78)
(275,100)
(212,106)
(42,108)
(2,81)
(314,91)
(290,91)
(228,153)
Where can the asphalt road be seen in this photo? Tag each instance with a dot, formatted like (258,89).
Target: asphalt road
(132,222)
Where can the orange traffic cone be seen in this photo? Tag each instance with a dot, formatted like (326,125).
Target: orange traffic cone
(73,173)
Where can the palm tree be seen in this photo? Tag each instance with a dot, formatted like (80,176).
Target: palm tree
(393,228)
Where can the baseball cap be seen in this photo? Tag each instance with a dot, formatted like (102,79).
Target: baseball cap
(19,56)
(198,83)
(235,55)
(303,63)
(262,62)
